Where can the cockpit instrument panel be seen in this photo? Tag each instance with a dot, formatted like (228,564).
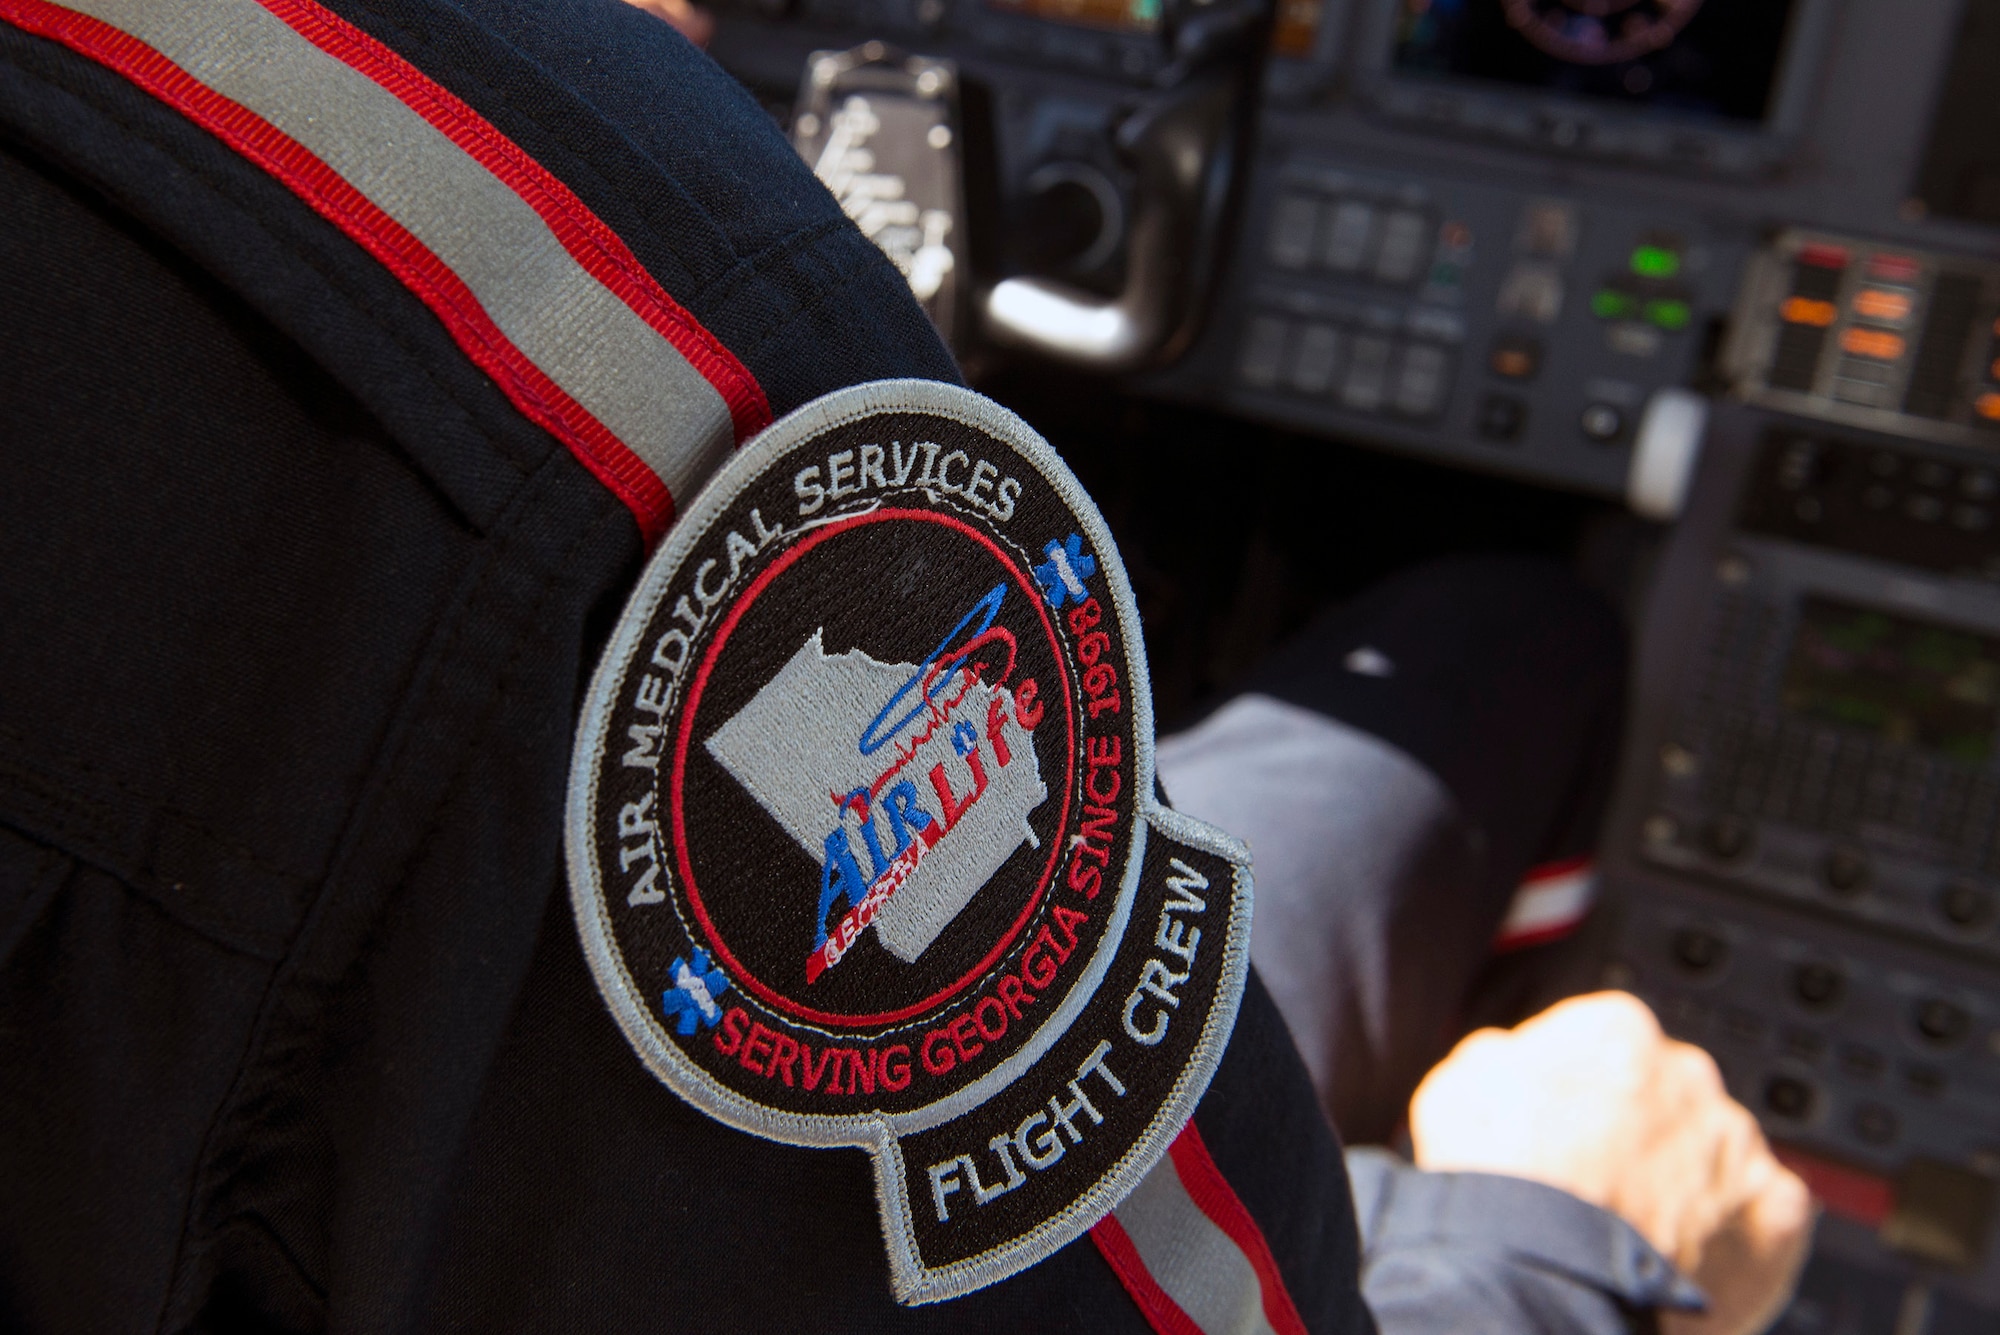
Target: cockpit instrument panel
(1539,238)
(1496,232)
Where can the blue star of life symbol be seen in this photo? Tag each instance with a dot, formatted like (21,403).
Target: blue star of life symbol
(690,1002)
(1063,574)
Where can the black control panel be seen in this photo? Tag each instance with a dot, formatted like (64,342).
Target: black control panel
(1546,238)
(1806,842)
(1491,233)
(1607,196)
(1932,513)
(1520,329)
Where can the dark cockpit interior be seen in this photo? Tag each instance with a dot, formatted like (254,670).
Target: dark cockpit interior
(1699,296)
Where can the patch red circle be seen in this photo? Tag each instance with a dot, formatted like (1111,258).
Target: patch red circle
(743,975)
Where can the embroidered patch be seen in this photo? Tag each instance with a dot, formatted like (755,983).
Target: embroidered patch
(862,839)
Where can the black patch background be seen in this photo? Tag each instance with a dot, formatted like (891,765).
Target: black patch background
(649,938)
(1147,1073)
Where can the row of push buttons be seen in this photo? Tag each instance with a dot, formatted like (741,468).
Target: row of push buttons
(1940,491)
(1367,372)
(1350,237)
(1928,491)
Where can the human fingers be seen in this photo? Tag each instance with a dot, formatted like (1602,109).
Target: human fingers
(1548,1100)
(1750,1265)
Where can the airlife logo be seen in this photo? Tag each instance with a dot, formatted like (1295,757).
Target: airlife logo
(923,773)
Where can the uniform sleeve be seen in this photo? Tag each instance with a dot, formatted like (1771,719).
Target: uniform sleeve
(1450,1252)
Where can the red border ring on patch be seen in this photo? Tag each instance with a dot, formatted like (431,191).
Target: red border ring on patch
(743,975)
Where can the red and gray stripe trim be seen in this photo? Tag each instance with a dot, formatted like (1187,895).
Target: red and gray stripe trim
(535,288)
(1550,903)
(1188,1252)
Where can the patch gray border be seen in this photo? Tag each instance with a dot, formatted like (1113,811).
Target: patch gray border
(911,1281)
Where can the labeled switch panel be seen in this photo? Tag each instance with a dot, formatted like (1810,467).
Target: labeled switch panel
(1886,337)
(1382,336)
(1507,328)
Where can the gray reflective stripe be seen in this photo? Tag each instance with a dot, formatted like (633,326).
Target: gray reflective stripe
(1198,1265)
(578,332)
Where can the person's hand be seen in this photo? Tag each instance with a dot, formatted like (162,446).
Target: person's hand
(694,22)
(1591,1097)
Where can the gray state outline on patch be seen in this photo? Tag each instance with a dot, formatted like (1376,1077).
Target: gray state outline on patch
(796,744)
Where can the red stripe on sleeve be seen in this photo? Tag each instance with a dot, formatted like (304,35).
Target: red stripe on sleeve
(1212,1192)
(328,194)
(582,233)
(593,245)
(1549,871)
(1161,1312)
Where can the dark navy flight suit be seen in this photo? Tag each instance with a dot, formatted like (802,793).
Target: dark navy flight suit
(296,609)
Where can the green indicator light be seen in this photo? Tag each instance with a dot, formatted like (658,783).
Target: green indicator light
(1655,262)
(1668,314)
(1611,304)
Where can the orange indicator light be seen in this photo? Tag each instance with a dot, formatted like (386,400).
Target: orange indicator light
(1872,343)
(1804,310)
(1988,406)
(1882,304)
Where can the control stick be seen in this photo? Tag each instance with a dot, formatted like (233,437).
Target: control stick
(1181,154)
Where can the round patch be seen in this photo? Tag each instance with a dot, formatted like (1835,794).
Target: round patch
(861,833)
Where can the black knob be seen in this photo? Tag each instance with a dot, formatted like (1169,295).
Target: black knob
(1698,950)
(1941,1022)
(1964,905)
(1875,1123)
(1788,1096)
(1817,985)
(1845,869)
(1800,465)
(1601,422)
(1726,837)
(1067,219)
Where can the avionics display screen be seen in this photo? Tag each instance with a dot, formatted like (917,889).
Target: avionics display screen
(1123,15)
(1911,682)
(1713,58)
